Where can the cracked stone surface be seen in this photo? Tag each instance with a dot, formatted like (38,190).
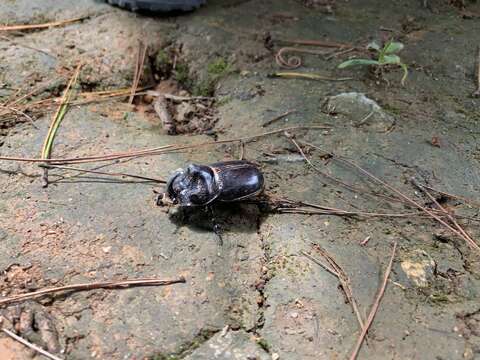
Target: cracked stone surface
(276,302)
(229,345)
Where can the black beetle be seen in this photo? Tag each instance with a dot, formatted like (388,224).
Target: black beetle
(201,185)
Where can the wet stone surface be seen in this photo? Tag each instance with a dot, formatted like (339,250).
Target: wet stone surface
(257,296)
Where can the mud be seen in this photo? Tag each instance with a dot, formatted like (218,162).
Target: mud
(256,296)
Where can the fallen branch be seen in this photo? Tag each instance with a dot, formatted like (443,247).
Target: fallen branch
(104,173)
(279,117)
(338,271)
(159,150)
(36,90)
(83,98)
(476,93)
(20,113)
(41,26)
(397,192)
(320,43)
(375,306)
(466,236)
(453,196)
(21,44)
(137,75)
(177,98)
(338,181)
(91,286)
(30,345)
(346,213)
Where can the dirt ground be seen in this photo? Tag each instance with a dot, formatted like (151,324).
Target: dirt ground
(257,296)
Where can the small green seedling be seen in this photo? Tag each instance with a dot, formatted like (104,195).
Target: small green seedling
(386,56)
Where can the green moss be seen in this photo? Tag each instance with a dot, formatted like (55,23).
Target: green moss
(264,345)
(391,109)
(163,62)
(218,68)
(439,298)
(224,100)
(204,88)
(200,86)
(182,75)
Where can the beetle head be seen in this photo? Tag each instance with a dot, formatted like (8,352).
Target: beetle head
(194,186)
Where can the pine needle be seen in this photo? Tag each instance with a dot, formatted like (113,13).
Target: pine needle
(56,121)
(305,75)
(40,26)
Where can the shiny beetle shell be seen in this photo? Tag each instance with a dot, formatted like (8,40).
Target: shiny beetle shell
(200,185)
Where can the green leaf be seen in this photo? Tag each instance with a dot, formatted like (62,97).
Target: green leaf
(392,47)
(390,59)
(353,62)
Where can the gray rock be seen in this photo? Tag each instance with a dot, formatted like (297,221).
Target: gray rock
(230,345)
(362,110)
(419,268)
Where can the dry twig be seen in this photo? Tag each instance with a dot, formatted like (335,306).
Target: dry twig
(466,236)
(476,93)
(365,241)
(18,43)
(160,150)
(375,306)
(161,181)
(177,98)
(142,52)
(21,113)
(30,345)
(453,196)
(407,199)
(338,271)
(10,103)
(91,286)
(279,117)
(41,106)
(338,181)
(40,26)
(320,43)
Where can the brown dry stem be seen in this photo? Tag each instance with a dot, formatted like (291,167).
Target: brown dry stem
(91,286)
(41,26)
(375,306)
(338,271)
(30,345)
(160,150)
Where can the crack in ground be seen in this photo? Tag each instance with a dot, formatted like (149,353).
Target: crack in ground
(260,286)
(424,174)
(187,348)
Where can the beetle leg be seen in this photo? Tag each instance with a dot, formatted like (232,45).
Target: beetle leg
(216,227)
(160,198)
(218,231)
(163,200)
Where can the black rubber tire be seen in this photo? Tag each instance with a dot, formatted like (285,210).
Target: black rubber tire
(158,5)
